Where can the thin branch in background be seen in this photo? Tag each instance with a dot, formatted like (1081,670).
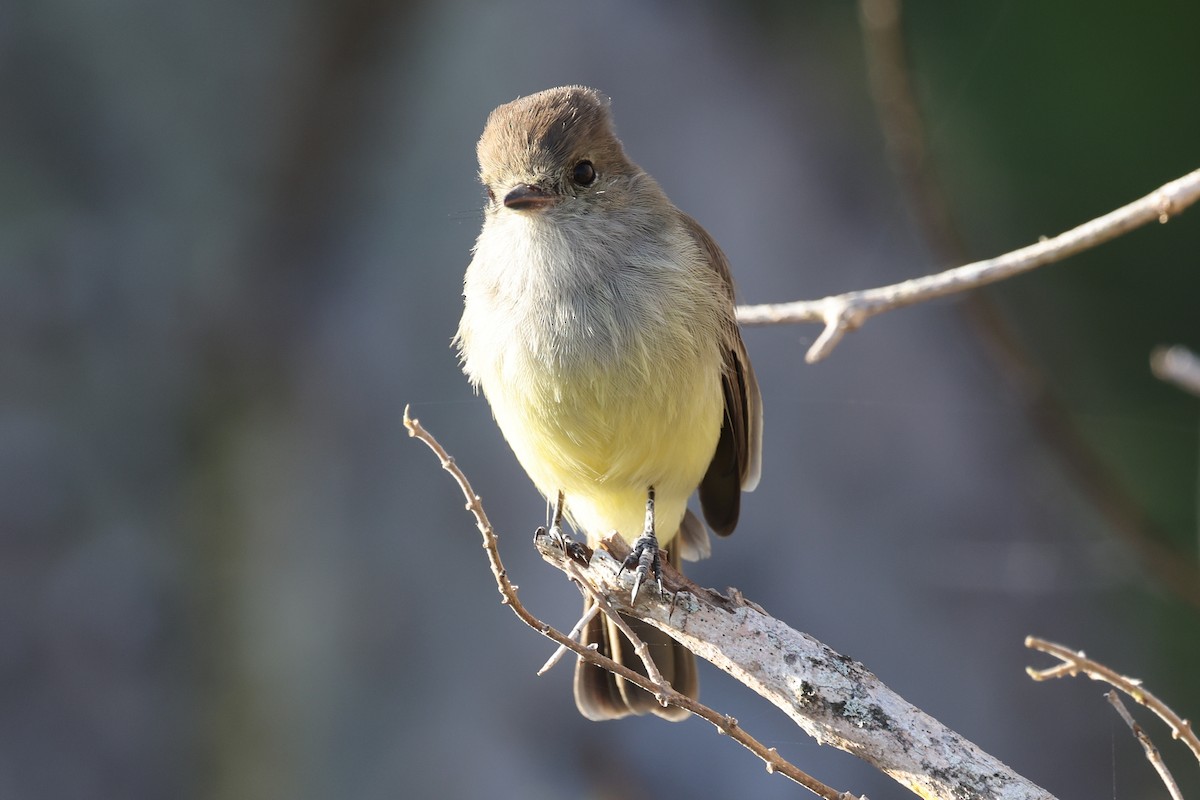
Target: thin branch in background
(508,593)
(903,129)
(1074,663)
(900,120)
(1152,754)
(846,312)
(1177,365)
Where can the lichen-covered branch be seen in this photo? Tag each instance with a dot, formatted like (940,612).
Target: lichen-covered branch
(833,698)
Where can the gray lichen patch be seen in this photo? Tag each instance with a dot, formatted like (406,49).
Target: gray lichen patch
(861,714)
(969,786)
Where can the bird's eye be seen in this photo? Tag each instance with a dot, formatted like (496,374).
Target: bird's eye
(584,174)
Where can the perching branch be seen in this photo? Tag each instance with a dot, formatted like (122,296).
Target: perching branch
(846,312)
(833,698)
(508,593)
(1152,754)
(1177,365)
(1074,663)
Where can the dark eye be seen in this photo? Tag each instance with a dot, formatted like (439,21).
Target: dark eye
(491,196)
(584,174)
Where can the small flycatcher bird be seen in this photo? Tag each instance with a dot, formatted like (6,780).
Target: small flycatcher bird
(599,323)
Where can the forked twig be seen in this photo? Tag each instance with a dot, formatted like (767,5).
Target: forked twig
(592,610)
(666,692)
(1075,662)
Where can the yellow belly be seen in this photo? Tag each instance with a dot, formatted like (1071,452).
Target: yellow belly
(604,438)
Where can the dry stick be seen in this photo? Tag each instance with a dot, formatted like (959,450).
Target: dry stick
(1076,662)
(1152,754)
(666,692)
(589,613)
(1177,365)
(846,312)
(597,604)
(508,593)
(639,647)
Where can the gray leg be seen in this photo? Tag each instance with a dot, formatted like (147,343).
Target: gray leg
(559,537)
(643,559)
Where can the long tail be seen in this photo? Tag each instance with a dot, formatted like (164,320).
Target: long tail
(601,695)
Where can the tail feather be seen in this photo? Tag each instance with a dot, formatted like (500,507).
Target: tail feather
(601,695)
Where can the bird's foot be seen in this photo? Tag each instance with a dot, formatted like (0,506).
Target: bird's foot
(644,560)
(559,538)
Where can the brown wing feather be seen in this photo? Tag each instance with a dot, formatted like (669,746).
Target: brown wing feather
(737,462)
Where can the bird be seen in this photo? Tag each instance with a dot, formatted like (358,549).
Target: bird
(599,323)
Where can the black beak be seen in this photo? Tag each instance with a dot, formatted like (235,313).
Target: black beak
(528,197)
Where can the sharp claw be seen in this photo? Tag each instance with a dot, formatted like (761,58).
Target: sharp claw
(580,553)
(643,561)
(577,551)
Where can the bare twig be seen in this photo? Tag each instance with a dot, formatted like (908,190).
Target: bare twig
(666,694)
(1075,663)
(1177,365)
(592,610)
(508,592)
(1152,754)
(846,312)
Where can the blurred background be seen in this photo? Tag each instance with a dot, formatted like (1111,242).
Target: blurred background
(232,238)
